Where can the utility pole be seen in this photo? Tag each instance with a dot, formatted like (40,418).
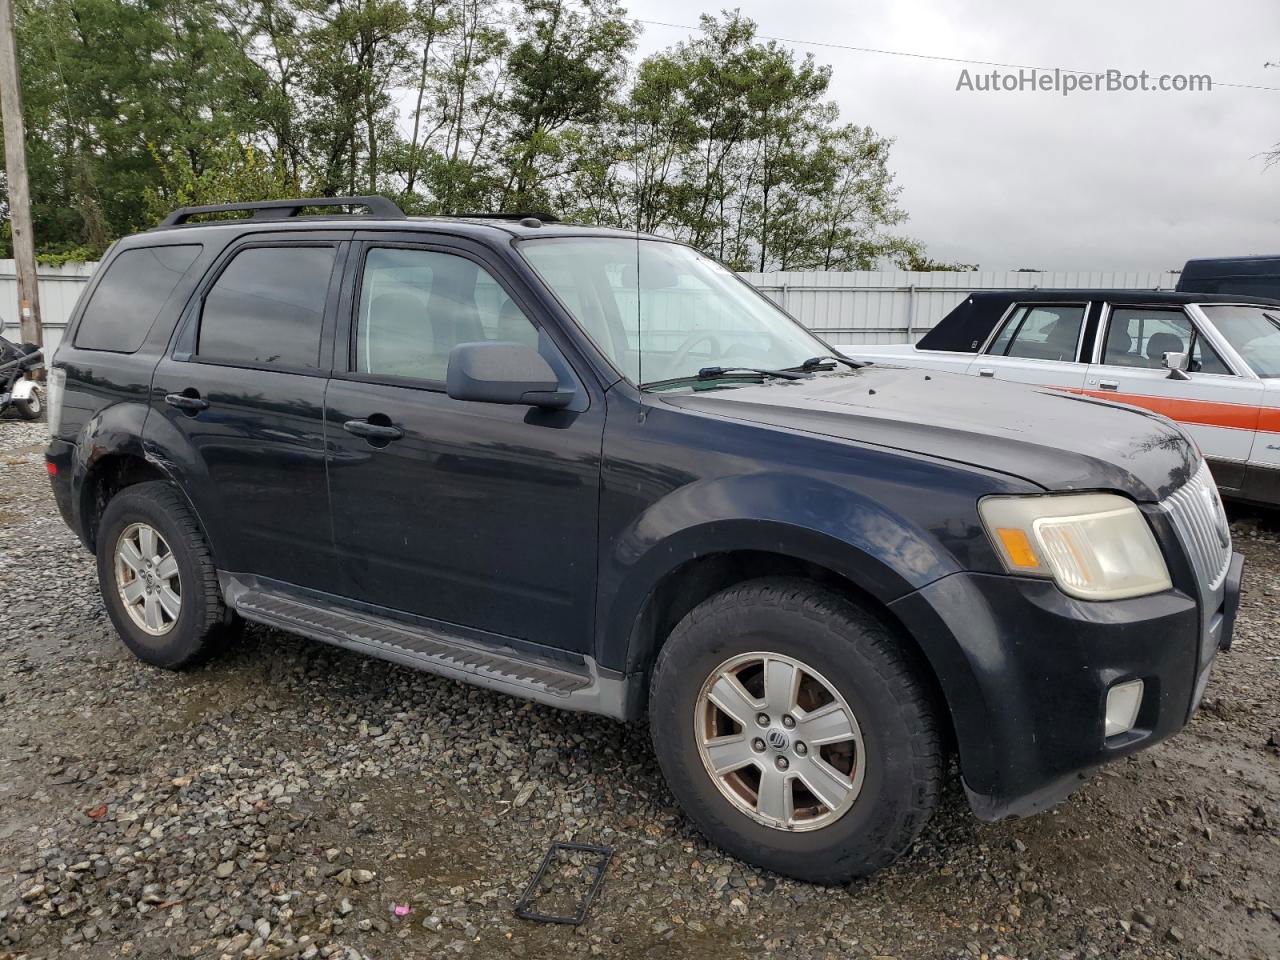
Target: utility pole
(15,160)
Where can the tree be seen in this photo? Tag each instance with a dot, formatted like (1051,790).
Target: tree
(729,143)
(564,69)
(722,140)
(116,89)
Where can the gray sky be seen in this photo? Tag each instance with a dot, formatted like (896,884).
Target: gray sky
(1092,181)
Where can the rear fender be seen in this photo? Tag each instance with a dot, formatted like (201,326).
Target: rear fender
(120,431)
(113,431)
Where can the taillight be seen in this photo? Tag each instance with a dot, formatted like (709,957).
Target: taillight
(55,386)
(51,468)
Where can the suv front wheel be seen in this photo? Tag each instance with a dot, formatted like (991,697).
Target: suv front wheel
(795,732)
(157,577)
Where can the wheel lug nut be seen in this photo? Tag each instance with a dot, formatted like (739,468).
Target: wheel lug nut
(801,749)
(762,719)
(782,763)
(757,745)
(788,721)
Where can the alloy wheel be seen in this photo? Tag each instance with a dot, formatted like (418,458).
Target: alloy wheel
(779,741)
(147,579)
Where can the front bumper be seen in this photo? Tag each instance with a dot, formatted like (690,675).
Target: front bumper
(1025,670)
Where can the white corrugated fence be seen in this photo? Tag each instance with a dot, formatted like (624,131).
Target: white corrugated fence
(887,306)
(60,287)
(870,306)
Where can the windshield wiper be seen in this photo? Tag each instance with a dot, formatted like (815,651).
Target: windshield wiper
(711,374)
(715,373)
(817,363)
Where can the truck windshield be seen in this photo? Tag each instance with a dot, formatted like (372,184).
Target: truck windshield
(662,311)
(1254,333)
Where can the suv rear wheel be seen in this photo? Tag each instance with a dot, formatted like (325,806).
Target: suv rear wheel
(157,577)
(795,732)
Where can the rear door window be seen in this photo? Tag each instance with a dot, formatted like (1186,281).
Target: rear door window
(267,308)
(128,298)
(1040,332)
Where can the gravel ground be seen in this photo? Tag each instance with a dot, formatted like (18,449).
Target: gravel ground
(290,799)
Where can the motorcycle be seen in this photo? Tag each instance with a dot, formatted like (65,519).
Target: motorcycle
(17,389)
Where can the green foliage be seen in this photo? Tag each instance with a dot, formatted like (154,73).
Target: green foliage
(135,107)
(68,254)
(914,258)
(729,144)
(231,173)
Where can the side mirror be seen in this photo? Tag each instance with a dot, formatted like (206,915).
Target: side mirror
(1176,364)
(502,372)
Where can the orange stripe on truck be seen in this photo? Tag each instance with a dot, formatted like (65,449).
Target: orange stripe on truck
(1210,413)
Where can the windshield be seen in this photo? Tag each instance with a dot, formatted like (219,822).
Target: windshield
(1254,333)
(662,311)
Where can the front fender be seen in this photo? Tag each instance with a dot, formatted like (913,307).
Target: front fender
(800,517)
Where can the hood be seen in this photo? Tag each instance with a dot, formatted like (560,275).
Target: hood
(1055,439)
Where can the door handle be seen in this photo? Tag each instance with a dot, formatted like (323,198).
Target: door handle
(1109,384)
(189,401)
(384,432)
(986,372)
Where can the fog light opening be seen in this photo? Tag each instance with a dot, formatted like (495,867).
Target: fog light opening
(1123,702)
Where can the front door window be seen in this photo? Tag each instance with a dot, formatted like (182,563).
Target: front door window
(417,305)
(1141,336)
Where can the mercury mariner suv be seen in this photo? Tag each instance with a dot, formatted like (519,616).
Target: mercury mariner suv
(597,470)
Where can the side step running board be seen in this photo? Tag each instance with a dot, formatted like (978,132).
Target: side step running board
(562,685)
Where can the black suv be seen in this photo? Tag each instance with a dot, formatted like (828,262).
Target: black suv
(598,470)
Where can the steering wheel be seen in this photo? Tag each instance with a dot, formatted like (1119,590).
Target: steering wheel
(682,352)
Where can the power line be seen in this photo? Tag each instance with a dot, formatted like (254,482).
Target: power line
(930,56)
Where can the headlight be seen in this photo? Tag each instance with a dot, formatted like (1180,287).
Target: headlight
(1095,546)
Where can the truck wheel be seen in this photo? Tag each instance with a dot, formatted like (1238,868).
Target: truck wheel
(795,732)
(157,577)
(32,407)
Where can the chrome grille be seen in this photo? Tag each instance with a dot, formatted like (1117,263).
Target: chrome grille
(1196,512)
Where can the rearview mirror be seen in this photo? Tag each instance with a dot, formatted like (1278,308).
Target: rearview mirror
(1176,364)
(502,372)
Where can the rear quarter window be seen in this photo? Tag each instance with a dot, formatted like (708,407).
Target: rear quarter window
(130,295)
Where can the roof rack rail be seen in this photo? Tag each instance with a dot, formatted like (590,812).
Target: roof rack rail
(379,207)
(515,215)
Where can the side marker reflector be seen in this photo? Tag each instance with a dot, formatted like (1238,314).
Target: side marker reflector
(1018,547)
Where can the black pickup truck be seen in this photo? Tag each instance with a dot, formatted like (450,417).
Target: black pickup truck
(598,470)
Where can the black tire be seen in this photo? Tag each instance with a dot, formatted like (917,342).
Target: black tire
(32,408)
(203,619)
(855,653)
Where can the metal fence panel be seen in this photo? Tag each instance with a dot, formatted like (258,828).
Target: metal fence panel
(60,288)
(865,306)
(895,306)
